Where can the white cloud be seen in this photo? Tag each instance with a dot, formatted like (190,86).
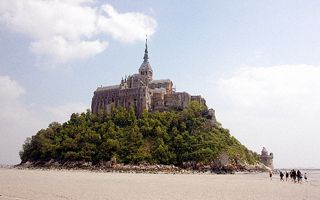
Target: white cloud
(62,113)
(67,30)
(62,50)
(127,27)
(10,88)
(17,122)
(277,107)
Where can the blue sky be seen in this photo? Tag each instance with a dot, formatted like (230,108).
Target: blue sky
(256,63)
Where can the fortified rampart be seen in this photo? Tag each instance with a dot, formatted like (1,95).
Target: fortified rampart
(266,159)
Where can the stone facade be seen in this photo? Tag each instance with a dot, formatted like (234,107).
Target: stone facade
(142,92)
(266,159)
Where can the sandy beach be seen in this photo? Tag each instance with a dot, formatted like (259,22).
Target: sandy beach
(53,184)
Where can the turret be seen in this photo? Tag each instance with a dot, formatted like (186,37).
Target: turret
(264,152)
(145,69)
(266,159)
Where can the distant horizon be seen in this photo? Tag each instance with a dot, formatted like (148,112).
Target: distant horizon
(282,168)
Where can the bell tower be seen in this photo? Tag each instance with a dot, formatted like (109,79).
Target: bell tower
(145,69)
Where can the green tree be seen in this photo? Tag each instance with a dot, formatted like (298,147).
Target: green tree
(169,137)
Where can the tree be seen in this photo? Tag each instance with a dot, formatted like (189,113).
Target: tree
(170,137)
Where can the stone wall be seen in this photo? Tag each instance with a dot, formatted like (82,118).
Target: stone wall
(177,100)
(141,98)
(135,97)
(266,159)
(141,92)
(166,84)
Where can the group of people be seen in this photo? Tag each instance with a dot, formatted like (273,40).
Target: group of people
(295,176)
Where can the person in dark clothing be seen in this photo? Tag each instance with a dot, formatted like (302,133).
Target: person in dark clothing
(294,175)
(270,175)
(281,176)
(287,176)
(305,177)
(299,176)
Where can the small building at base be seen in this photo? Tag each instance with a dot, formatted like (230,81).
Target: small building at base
(266,159)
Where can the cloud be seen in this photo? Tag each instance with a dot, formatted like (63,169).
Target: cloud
(17,122)
(277,107)
(67,30)
(119,25)
(11,89)
(62,50)
(62,113)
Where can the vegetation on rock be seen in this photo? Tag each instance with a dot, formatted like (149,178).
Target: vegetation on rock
(171,137)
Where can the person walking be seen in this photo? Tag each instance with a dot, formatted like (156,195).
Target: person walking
(287,176)
(270,175)
(299,176)
(305,177)
(294,175)
(281,176)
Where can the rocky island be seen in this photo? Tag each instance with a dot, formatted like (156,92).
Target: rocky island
(140,125)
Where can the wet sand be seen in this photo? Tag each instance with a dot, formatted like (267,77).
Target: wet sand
(53,184)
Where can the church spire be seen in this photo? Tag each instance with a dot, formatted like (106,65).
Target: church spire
(146,57)
(145,69)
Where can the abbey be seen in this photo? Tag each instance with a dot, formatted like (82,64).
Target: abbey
(143,93)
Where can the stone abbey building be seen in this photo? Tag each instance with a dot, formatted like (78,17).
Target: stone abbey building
(142,92)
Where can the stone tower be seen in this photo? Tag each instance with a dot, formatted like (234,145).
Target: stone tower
(266,159)
(145,69)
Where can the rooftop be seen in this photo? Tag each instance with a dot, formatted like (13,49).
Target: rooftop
(111,87)
(161,81)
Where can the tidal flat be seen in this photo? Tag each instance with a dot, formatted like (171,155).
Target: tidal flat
(35,184)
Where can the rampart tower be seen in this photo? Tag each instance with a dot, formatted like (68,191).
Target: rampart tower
(266,159)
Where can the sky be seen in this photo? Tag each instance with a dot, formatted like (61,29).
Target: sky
(256,63)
